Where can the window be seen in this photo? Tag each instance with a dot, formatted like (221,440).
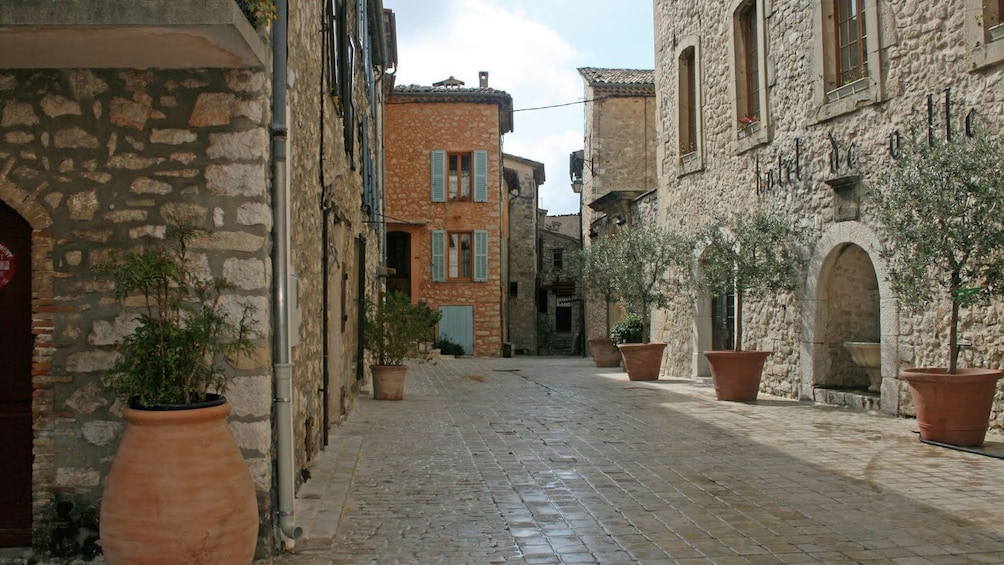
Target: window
(847,56)
(459,181)
(456,176)
(852,41)
(750,84)
(459,256)
(985,32)
(459,259)
(689,106)
(558,258)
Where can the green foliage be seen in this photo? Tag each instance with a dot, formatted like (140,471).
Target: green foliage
(942,212)
(175,355)
(259,12)
(598,263)
(751,254)
(649,265)
(395,326)
(447,347)
(630,329)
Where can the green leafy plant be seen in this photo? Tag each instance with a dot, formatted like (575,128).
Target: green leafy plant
(259,12)
(650,265)
(448,347)
(752,255)
(598,263)
(942,212)
(629,329)
(176,353)
(394,327)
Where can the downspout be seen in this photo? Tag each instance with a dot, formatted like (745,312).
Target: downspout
(283,391)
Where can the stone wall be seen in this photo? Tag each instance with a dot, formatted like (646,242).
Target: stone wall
(816,164)
(522,258)
(562,284)
(413,130)
(97,161)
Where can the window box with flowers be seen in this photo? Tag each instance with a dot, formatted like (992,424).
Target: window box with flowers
(747,126)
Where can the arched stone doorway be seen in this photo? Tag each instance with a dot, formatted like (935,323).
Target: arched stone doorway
(399,259)
(848,299)
(714,327)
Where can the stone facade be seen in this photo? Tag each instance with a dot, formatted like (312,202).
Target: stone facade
(98,160)
(618,160)
(421,121)
(523,179)
(819,142)
(559,314)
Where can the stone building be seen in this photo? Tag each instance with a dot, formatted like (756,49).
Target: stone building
(618,162)
(560,323)
(120,119)
(523,178)
(798,107)
(447,209)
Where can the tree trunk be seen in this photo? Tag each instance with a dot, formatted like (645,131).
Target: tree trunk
(738,341)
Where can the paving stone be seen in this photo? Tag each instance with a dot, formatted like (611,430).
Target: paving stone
(548,460)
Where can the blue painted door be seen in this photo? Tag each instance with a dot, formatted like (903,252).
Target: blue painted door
(457,325)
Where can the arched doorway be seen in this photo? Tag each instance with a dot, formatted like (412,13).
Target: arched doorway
(399,259)
(16,346)
(714,327)
(852,315)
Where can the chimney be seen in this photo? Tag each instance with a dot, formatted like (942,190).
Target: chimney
(483,79)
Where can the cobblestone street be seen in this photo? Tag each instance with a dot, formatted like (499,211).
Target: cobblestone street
(551,460)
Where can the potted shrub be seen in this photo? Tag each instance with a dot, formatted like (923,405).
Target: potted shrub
(178,486)
(941,211)
(394,327)
(649,265)
(598,262)
(752,255)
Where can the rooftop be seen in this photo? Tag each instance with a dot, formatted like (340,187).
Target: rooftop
(626,82)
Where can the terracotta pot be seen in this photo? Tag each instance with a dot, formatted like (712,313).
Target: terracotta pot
(642,360)
(736,374)
(388,381)
(953,409)
(603,352)
(179,491)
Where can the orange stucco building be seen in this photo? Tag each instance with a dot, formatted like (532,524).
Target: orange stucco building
(446,218)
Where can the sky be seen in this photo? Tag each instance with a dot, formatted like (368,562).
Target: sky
(531,49)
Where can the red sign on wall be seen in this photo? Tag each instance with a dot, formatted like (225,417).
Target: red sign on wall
(6,265)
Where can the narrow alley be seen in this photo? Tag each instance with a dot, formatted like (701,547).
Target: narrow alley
(552,460)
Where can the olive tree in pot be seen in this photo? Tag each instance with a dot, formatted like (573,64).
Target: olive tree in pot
(598,262)
(650,265)
(178,486)
(942,213)
(752,256)
(394,328)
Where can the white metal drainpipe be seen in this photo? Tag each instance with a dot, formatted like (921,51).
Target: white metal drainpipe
(283,394)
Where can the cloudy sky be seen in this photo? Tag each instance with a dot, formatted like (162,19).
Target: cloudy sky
(531,49)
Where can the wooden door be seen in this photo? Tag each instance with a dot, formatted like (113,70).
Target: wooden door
(16,343)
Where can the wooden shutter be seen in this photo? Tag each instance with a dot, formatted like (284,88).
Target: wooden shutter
(438,256)
(438,176)
(480,256)
(481,176)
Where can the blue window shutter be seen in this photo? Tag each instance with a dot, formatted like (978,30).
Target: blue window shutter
(438,176)
(481,176)
(480,256)
(438,255)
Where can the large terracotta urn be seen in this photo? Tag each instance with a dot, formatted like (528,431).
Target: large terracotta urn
(179,491)
(736,374)
(388,381)
(953,409)
(604,353)
(642,361)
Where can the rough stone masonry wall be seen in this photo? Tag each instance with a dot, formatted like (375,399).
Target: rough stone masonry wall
(97,161)
(412,131)
(923,50)
(522,258)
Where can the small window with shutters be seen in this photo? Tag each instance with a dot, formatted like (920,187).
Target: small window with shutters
(459,256)
(459,176)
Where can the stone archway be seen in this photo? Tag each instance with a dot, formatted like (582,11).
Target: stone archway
(847,259)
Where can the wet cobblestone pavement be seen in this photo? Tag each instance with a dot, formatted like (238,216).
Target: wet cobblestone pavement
(552,460)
